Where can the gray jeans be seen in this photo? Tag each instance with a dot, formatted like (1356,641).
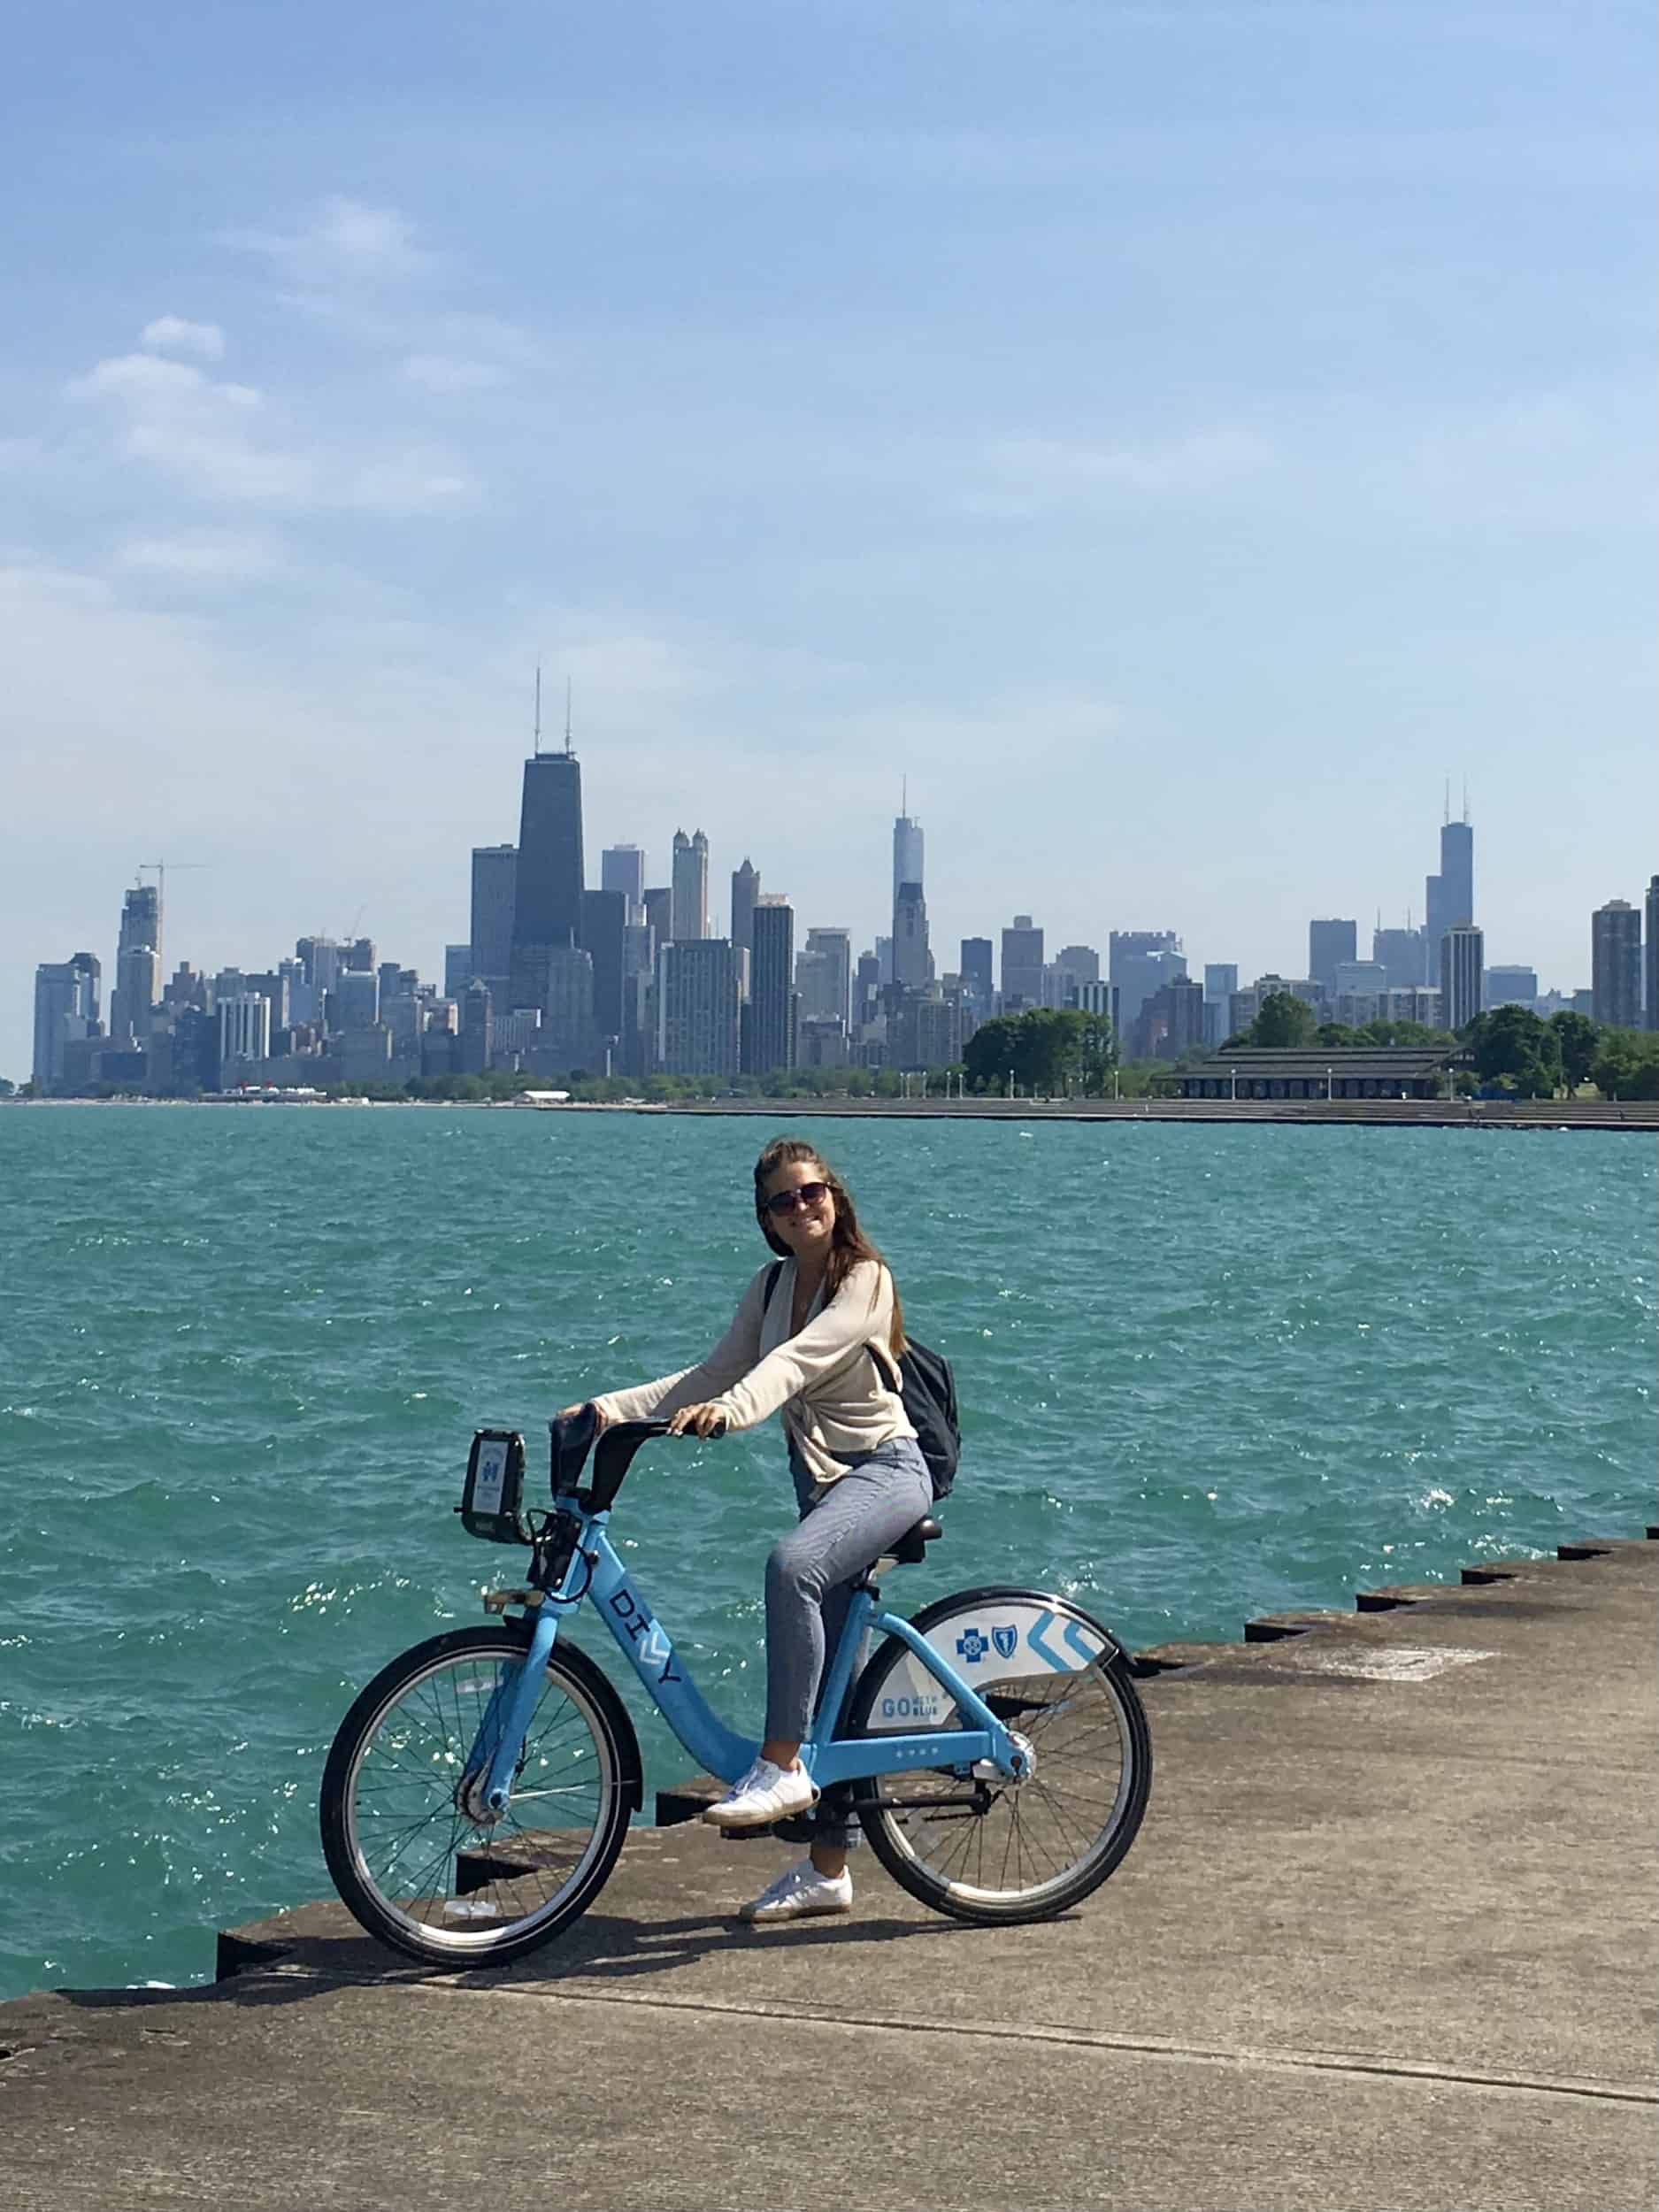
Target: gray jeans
(844,1526)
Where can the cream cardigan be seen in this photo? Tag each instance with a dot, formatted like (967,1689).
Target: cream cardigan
(836,1395)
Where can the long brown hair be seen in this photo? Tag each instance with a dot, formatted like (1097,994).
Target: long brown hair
(849,1244)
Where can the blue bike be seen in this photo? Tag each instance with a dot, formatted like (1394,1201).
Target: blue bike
(475,1800)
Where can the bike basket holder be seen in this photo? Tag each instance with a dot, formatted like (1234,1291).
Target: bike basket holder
(492,1496)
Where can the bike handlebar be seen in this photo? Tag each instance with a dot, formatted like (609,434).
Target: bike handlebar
(613,1454)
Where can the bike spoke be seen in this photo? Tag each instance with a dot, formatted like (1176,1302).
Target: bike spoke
(464,1885)
(1035,1836)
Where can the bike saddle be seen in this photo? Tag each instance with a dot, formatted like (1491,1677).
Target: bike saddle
(911,1548)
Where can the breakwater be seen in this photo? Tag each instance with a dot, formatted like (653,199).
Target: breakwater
(1204,1369)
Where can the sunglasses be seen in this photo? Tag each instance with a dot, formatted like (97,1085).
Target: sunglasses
(803,1195)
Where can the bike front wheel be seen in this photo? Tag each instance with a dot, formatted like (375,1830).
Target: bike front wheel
(981,1847)
(417,1870)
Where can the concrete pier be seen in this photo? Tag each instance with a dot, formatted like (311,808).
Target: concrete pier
(1386,1940)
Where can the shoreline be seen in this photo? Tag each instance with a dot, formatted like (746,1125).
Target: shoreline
(1480,1113)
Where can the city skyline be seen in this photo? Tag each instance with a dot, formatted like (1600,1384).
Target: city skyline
(1301,465)
(640,976)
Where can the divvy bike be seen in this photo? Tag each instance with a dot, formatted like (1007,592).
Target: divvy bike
(475,1800)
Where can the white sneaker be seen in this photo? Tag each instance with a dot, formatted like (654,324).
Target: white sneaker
(800,1892)
(765,1794)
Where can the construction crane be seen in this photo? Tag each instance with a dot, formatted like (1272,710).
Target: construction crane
(160,868)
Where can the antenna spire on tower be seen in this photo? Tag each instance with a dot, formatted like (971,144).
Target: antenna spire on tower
(1465,798)
(567,716)
(538,707)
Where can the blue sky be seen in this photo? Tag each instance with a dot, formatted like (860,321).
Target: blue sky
(1177,437)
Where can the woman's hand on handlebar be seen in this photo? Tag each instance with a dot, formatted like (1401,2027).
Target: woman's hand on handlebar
(601,1420)
(707,1420)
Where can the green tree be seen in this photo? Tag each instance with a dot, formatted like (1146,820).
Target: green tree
(1578,1040)
(1282,1020)
(991,1052)
(1047,1047)
(1096,1055)
(1515,1046)
(1625,1066)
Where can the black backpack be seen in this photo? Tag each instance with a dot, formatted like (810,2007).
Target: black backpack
(929,1390)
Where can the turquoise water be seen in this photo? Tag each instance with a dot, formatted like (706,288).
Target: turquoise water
(1205,1371)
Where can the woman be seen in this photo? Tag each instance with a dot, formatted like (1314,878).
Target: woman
(806,1351)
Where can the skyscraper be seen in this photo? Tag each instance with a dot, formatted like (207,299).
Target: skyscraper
(1404,953)
(659,912)
(912,962)
(1100,1000)
(769,1035)
(1142,961)
(1451,894)
(477,1026)
(699,1006)
(978,974)
(355,1001)
(1171,1020)
(137,966)
(832,979)
(1022,965)
(1615,963)
(245,1031)
(925,1030)
(639,980)
(1462,964)
(494,876)
(688,912)
(1511,987)
(622,868)
(1650,957)
(65,1012)
(604,920)
(745,891)
(1329,944)
(1221,980)
(866,990)
(547,908)
(567,1041)
(907,854)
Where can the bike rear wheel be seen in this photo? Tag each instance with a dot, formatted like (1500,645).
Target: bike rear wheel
(417,1870)
(992,1849)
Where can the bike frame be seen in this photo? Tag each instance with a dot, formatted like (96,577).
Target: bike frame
(596,1573)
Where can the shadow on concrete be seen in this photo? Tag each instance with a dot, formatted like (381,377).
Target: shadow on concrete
(600,1947)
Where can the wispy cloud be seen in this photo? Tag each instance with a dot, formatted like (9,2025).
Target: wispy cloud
(172,333)
(342,239)
(174,416)
(206,435)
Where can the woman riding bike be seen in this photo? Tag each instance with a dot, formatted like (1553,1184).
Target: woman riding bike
(802,1345)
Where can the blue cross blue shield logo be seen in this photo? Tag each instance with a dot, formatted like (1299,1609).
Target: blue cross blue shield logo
(972,1646)
(1006,1638)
